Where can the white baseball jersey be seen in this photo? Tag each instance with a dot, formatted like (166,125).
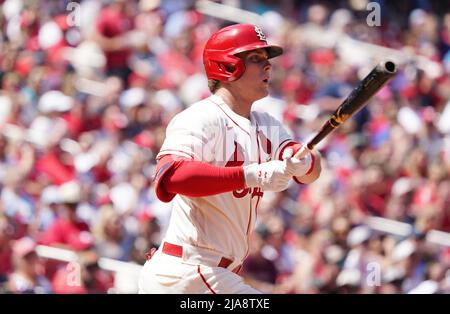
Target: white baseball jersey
(211,132)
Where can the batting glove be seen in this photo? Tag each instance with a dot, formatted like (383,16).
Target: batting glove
(299,167)
(269,176)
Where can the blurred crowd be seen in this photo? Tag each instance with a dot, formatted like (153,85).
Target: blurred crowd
(87,89)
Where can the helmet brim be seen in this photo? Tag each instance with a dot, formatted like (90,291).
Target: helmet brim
(272,50)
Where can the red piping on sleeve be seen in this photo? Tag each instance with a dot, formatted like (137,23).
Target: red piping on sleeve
(296,147)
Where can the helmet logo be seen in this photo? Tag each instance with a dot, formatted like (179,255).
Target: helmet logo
(260,34)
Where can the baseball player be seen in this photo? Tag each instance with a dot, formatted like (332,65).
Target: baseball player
(217,160)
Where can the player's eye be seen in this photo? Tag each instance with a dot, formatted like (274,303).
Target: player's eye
(256,58)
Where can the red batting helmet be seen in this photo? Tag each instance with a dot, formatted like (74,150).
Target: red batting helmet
(221,49)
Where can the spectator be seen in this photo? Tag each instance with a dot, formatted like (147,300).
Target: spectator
(28,275)
(113,24)
(113,239)
(6,233)
(67,230)
(82,276)
(90,105)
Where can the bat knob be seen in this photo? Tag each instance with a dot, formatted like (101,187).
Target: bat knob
(389,66)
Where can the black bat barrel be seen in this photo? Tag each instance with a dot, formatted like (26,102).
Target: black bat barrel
(366,89)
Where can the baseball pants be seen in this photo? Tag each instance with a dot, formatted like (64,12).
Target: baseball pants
(166,274)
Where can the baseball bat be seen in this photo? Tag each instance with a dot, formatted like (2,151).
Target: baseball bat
(365,90)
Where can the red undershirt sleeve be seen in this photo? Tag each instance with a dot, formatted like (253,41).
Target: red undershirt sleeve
(175,175)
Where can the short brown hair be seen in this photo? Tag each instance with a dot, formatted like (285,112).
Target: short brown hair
(213,85)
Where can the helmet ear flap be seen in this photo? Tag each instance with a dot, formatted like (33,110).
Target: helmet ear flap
(226,68)
(234,70)
(239,69)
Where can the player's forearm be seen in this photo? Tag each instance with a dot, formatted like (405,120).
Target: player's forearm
(198,179)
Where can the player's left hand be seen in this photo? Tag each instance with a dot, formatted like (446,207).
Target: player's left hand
(299,166)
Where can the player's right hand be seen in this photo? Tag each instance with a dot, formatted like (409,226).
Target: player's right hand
(299,167)
(269,176)
(275,175)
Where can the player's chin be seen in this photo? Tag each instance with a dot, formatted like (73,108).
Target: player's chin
(266,93)
(259,96)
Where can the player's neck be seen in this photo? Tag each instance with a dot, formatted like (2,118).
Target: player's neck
(238,104)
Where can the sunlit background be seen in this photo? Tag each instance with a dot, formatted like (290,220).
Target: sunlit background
(88,88)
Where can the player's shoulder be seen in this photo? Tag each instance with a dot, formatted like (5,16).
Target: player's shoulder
(264,118)
(204,108)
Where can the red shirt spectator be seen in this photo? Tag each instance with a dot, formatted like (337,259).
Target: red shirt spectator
(74,234)
(68,230)
(51,165)
(6,233)
(113,22)
(92,280)
(61,283)
(5,261)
